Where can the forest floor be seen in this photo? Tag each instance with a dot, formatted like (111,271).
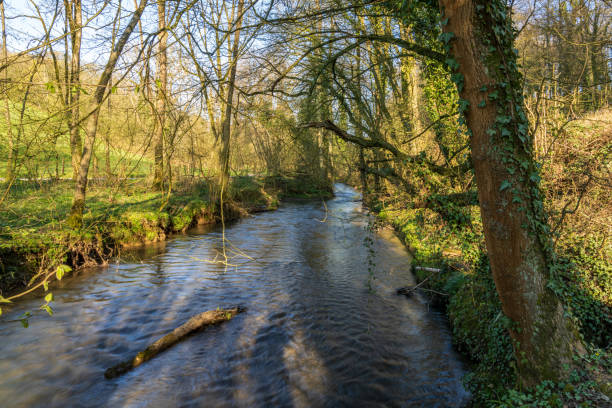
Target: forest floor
(35,240)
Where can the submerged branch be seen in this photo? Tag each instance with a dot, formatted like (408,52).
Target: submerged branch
(198,322)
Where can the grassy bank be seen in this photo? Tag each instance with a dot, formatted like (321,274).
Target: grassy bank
(35,240)
(466,291)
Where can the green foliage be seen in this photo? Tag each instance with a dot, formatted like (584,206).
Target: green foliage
(409,224)
(61,271)
(300,186)
(583,279)
(579,389)
(480,329)
(141,226)
(25,319)
(190,213)
(455,215)
(251,193)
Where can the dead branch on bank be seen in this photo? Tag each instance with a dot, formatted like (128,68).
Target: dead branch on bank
(409,290)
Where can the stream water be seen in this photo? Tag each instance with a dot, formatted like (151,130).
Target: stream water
(314,335)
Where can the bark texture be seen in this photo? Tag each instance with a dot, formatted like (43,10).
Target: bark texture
(75,219)
(162,85)
(198,322)
(12,149)
(74,14)
(226,126)
(508,193)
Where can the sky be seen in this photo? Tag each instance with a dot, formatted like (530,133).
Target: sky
(25,29)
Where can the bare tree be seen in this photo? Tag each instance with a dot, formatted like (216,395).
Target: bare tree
(75,219)
(161,92)
(74,15)
(7,113)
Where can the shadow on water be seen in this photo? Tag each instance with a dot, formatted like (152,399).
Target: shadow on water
(313,334)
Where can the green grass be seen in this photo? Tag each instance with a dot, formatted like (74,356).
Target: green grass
(34,206)
(44,149)
(35,237)
(34,232)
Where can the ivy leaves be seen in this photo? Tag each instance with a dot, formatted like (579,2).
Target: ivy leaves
(505,185)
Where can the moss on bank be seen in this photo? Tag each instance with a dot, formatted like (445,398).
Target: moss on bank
(35,238)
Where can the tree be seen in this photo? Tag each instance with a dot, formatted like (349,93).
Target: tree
(226,123)
(75,219)
(480,38)
(161,92)
(215,34)
(74,15)
(7,113)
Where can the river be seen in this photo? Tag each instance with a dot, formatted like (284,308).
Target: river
(314,333)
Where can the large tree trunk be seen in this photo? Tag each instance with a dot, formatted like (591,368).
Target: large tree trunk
(515,227)
(162,85)
(75,220)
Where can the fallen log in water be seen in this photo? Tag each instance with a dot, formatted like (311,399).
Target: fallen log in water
(194,324)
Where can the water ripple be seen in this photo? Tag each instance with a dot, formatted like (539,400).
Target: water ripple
(313,334)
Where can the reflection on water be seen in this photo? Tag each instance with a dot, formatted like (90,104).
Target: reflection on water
(313,334)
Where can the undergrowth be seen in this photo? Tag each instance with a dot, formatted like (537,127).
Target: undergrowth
(480,329)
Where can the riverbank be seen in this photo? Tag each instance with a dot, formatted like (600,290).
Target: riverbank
(465,290)
(35,241)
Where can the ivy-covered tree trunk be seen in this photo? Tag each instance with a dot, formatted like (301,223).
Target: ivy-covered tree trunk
(479,39)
